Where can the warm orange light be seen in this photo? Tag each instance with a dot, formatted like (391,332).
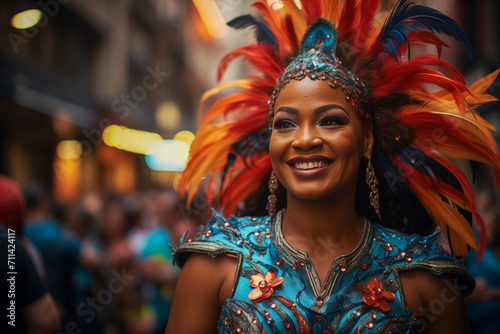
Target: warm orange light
(67,169)
(212,17)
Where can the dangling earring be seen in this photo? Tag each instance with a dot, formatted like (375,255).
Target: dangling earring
(372,182)
(271,199)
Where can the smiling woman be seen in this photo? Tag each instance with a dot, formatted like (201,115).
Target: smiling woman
(357,198)
(317,143)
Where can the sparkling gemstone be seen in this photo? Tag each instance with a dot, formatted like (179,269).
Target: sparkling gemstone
(254,321)
(239,311)
(273,305)
(266,314)
(369,325)
(398,137)
(278,262)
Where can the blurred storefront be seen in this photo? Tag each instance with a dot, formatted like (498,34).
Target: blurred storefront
(85,66)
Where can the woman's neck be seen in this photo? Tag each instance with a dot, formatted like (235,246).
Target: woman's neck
(330,222)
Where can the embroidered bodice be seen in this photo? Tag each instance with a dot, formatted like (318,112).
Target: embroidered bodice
(277,290)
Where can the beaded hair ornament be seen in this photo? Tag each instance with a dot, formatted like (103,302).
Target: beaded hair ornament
(415,128)
(317,61)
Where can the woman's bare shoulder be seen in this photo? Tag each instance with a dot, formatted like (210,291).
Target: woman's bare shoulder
(436,300)
(201,289)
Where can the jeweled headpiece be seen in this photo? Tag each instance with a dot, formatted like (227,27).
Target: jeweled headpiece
(414,128)
(317,60)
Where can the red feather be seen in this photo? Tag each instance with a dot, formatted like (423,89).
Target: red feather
(368,10)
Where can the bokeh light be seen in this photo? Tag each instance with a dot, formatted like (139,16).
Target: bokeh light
(130,140)
(168,155)
(212,18)
(168,115)
(26,19)
(185,136)
(69,149)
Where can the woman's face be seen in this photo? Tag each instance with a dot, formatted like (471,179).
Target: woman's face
(317,140)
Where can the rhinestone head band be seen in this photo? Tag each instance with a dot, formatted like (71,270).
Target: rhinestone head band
(317,61)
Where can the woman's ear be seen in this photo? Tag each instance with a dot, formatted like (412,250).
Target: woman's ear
(368,147)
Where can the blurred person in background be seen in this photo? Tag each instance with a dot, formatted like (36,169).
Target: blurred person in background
(129,311)
(150,241)
(34,308)
(61,250)
(483,305)
(78,221)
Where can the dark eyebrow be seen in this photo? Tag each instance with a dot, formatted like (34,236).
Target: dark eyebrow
(287,110)
(324,108)
(319,110)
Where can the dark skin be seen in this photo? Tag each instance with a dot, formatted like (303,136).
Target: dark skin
(312,123)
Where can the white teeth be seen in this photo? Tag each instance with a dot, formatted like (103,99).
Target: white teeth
(309,165)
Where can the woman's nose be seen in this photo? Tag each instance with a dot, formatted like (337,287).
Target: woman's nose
(307,138)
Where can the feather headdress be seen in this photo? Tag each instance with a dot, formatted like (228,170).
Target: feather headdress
(415,129)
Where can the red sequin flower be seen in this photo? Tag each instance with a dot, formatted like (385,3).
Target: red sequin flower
(263,285)
(375,294)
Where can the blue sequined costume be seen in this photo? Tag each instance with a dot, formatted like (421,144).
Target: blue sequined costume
(301,304)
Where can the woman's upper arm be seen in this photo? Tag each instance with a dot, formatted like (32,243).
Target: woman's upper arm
(196,304)
(435,301)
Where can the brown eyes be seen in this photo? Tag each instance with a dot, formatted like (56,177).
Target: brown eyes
(329,120)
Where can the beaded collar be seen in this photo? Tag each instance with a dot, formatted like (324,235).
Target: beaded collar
(295,257)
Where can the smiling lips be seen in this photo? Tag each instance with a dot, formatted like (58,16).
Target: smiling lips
(309,165)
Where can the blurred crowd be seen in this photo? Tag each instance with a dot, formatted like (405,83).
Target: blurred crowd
(104,265)
(106,262)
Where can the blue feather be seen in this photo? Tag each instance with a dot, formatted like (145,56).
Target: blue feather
(262,33)
(408,17)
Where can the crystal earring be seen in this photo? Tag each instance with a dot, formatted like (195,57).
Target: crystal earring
(272,199)
(372,182)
